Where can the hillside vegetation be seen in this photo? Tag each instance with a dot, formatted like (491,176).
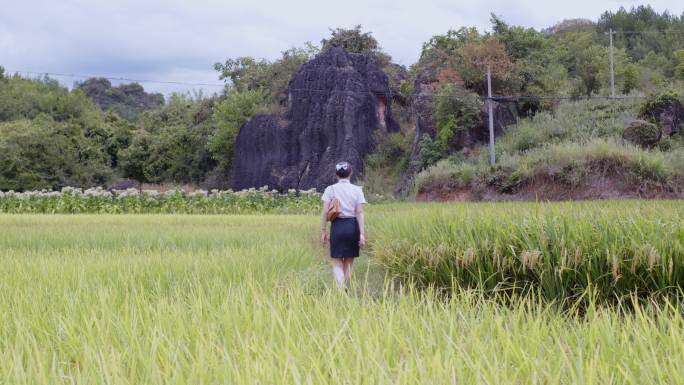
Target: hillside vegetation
(96,134)
(576,151)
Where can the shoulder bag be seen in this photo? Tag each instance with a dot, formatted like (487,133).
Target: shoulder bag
(334,207)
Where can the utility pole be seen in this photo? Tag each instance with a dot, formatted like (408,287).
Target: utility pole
(612,70)
(492,155)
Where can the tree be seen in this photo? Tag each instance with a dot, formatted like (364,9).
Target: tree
(27,98)
(630,78)
(171,144)
(118,136)
(679,63)
(652,30)
(520,42)
(45,154)
(230,115)
(250,74)
(245,73)
(478,56)
(451,42)
(584,59)
(444,51)
(352,40)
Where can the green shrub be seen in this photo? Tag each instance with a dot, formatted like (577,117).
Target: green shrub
(438,177)
(650,167)
(455,112)
(571,121)
(230,114)
(665,144)
(385,167)
(431,151)
(642,133)
(679,67)
(523,137)
(448,174)
(392,148)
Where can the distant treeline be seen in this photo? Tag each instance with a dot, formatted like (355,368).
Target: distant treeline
(97,134)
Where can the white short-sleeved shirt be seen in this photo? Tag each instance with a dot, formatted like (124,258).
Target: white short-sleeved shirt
(349,195)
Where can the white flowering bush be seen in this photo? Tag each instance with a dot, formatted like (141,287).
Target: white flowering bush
(97,200)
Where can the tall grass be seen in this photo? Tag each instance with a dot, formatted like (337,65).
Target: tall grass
(560,250)
(577,122)
(162,299)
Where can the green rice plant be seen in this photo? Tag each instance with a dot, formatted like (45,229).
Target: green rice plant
(561,250)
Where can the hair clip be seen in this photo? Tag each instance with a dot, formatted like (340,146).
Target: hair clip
(342,166)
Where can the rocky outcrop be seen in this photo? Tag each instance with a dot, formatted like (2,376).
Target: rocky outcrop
(398,75)
(127,100)
(671,118)
(505,114)
(336,102)
(664,110)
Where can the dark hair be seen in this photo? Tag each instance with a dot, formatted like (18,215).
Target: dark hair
(343,169)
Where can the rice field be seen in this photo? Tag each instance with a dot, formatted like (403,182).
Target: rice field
(248,299)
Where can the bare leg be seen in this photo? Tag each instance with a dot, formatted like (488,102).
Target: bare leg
(348,262)
(338,272)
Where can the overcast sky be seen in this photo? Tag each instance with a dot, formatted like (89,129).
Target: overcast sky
(173,40)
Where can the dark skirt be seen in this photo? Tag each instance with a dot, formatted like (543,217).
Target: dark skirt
(344,238)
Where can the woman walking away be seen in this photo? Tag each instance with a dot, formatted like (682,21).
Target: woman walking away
(343,206)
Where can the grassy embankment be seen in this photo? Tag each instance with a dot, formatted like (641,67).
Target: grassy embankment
(574,152)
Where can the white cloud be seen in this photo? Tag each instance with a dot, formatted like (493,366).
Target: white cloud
(180,40)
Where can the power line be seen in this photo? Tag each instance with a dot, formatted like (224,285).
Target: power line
(552,97)
(656,32)
(115,78)
(504,98)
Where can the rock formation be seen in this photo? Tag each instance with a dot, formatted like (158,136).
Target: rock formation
(128,100)
(671,117)
(336,102)
(666,111)
(505,114)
